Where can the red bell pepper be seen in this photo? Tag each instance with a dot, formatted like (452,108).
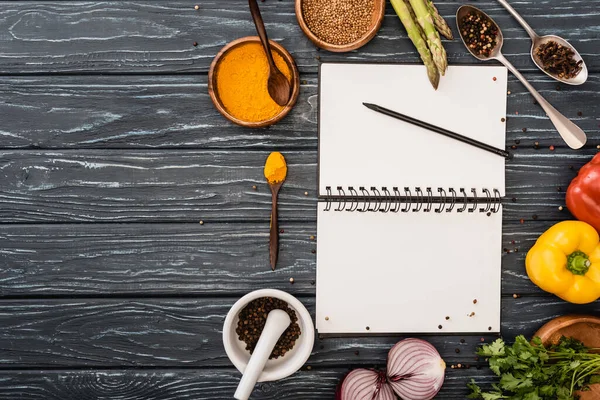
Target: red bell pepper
(583,194)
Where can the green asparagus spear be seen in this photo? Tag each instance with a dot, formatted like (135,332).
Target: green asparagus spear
(414,18)
(417,36)
(439,21)
(434,42)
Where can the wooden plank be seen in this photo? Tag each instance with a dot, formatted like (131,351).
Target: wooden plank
(180,332)
(217,186)
(187,259)
(169,384)
(158,36)
(176,112)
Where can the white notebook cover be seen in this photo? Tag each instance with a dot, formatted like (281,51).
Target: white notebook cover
(409,272)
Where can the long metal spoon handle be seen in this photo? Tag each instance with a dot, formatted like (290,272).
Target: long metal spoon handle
(571,133)
(520,20)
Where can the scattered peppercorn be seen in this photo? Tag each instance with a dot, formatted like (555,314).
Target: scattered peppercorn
(196,7)
(502,119)
(534,217)
(489,328)
(551,148)
(356,352)
(558,60)
(439,327)
(482,340)
(338,22)
(475,301)
(517,141)
(514,147)
(514,199)
(292,281)
(524,129)
(522,221)
(462,340)
(479,33)
(560,208)
(281,231)
(312,237)
(252,321)
(516,296)
(312,283)
(368,328)
(306,193)
(326,318)
(195,44)
(508,92)
(447,317)
(201,222)
(457,351)
(313,251)
(254,187)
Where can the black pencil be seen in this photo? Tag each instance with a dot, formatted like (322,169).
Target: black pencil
(437,129)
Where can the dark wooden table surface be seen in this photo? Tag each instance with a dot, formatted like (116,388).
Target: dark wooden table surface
(111,153)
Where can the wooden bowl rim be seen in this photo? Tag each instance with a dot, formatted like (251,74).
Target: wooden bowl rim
(546,331)
(213,91)
(337,48)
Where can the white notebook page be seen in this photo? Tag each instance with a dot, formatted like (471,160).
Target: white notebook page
(359,147)
(407,272)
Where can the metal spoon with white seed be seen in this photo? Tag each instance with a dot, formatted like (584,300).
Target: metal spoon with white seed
(571,133)
(537,41)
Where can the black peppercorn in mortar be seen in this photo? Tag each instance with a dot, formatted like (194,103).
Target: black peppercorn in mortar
(252,320)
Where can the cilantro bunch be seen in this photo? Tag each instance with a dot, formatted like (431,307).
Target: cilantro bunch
(531,371)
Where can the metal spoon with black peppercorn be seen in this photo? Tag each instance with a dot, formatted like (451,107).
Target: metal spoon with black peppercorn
(562,51)
(483,38)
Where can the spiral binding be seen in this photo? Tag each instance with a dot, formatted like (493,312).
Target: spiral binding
(416,200)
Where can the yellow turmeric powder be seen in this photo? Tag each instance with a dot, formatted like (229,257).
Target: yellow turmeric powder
(242,78)
(275,168)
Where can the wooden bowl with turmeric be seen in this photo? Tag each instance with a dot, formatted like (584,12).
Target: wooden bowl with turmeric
(237,82)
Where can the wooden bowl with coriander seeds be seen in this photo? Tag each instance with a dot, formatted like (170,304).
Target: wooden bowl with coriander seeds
(340,26)
(237,82)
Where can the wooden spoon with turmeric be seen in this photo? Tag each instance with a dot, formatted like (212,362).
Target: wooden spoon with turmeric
(278,86)
(275,172)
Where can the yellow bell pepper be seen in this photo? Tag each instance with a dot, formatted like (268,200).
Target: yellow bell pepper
(565,261)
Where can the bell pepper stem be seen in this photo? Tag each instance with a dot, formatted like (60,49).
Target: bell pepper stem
(578,263)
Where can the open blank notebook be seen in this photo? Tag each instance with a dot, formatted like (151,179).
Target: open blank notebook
(409,221)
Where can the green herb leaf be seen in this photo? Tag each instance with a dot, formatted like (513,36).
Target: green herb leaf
(531,371)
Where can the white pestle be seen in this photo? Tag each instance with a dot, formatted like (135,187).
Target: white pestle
(277,322)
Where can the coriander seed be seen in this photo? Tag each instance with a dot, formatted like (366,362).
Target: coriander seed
(338,22)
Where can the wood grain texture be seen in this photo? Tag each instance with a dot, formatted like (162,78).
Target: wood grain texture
(158,36)
(216,186)
(188,332)
(187,259)
(182,384)
(85,112)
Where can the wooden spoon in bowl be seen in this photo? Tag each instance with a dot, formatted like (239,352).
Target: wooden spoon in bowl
(278,85)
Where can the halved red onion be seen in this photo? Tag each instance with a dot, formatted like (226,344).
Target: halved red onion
(415,370)
(365,384)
